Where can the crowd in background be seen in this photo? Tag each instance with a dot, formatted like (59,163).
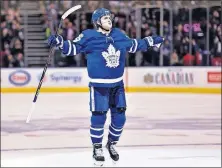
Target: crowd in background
(12,39)
(175,50)
(180,29)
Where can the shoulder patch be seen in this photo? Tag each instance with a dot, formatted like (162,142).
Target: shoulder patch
(78,38)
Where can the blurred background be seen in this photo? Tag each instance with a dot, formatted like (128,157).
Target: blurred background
(192,30)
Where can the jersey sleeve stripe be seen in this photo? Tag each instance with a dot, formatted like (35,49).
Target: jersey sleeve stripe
(61,45)
(131,49)
(57,40)
(136,44)
(74,49)
(70,48)
(150,41)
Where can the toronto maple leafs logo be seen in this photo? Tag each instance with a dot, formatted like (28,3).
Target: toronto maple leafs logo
(111,57)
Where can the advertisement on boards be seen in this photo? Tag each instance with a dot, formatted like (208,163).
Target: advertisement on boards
(19,77)
(61,78)
(144,79)
(66,77)
(169,77)
(214,77)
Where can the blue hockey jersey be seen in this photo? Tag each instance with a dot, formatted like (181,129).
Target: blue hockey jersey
(105,54)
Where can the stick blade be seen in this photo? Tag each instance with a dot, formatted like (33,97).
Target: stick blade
(30,113)
(68,12)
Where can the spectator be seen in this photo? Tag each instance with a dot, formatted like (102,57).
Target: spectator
(6,38)
(93,5)
(215,18)
(217,61)
(47,29)
(188,60)
(174,61)
(8,60)
(70,31)
(17,31)
(52,16)
(12,40)
(16,46)
(19,60)
(198,57)
(166,53)
(125,18)
(166,48)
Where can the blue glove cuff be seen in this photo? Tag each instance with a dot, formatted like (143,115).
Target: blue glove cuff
(149,41)
(154,41)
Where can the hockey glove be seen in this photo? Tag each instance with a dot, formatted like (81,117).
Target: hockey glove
(154,41)
(55,41)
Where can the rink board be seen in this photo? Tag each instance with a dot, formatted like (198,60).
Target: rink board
(170,80)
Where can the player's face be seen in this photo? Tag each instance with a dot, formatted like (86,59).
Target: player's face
(106,22)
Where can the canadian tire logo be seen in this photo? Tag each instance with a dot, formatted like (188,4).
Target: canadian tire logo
(148,78)
(214,77)
(19,78)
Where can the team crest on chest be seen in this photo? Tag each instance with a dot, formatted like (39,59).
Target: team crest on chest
(111,57)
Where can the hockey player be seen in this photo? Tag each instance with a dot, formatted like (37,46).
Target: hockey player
(105,48)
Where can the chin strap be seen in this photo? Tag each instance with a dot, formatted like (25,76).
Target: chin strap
(102,28)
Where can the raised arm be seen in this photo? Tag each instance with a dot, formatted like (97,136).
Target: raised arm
(68,47)
(134,45)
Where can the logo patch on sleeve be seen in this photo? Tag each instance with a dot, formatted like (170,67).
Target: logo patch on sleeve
(78,38)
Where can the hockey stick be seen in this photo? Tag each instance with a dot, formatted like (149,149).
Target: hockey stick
(67,13)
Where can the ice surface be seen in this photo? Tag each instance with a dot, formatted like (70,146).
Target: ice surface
(161,130)
(128,157)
